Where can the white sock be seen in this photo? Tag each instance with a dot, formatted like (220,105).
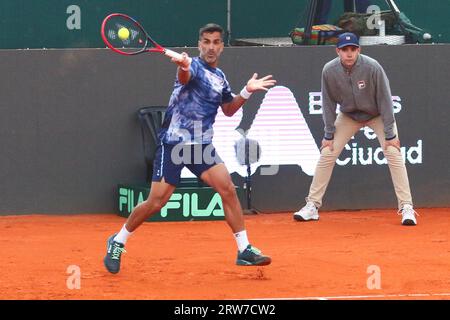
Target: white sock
(123,235)
(241,240)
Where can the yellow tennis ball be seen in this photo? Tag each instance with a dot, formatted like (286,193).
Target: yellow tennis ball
(123,33)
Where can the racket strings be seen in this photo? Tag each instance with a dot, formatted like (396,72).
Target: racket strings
(136,40)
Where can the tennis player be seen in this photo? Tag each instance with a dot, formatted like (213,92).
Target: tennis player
(186,140)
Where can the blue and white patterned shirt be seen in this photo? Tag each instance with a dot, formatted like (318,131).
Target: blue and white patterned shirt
(193,107)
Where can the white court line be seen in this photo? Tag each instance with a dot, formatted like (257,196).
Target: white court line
(406,295)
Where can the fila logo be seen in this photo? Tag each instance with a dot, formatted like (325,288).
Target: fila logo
(361,84)
(189,204)
(126,199)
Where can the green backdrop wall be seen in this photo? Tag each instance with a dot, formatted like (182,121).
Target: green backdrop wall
(76,23)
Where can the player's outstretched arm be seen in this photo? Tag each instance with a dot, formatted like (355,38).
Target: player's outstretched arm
(183,67)
(254,84)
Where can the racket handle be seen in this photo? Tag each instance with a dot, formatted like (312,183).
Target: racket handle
(173,54)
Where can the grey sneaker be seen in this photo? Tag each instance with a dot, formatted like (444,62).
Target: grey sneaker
(114,251)
(307,213)
(408,215)
(252,256)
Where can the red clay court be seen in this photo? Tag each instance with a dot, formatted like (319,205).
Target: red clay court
(328,259)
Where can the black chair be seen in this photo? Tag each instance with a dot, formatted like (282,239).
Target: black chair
(248,151)
(151,120)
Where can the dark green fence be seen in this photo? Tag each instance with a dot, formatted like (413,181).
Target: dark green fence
(76,23)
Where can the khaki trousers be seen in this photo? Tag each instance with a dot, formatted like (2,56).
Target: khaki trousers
(346,127)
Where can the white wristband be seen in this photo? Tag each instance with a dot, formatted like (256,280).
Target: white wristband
(244,93)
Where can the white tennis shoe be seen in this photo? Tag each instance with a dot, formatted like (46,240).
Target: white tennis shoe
(408,215)
(307,213)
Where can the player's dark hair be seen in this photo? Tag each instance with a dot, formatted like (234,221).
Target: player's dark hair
(210,28)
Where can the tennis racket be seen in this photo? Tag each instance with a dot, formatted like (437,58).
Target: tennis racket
(126,36)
